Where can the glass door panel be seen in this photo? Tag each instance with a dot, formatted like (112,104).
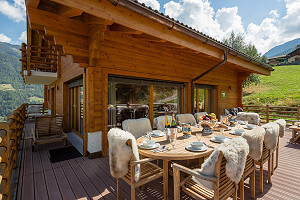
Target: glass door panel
(76,107)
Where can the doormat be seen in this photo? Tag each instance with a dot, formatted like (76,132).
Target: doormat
(65,153)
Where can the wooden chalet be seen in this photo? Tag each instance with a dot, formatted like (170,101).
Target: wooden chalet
(97,58)
(294,56)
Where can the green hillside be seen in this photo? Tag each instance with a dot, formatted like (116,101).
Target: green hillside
(282,88)
(13,91)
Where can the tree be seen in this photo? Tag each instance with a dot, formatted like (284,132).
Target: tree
(237,42)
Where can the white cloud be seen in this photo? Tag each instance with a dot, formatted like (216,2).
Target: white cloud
(4,38)
(274,13)
(229,20)
(14,11)
(153,3)
(23,37)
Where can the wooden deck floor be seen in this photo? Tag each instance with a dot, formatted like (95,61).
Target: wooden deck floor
(82,178)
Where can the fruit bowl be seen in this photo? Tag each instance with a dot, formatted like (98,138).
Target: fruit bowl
(207,123)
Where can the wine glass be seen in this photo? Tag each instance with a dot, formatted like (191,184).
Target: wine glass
(222,131)
(198,136)
(173,137)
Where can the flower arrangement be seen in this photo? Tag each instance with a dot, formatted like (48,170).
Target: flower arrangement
(110,106)
(211,116)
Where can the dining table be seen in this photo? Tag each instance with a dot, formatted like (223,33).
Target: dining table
(180,152)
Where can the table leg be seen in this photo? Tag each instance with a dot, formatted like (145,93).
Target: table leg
(166,177)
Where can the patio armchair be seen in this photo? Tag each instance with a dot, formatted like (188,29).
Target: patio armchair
(295,134)
(213,181)
(125,163)
(137,127)
(34,111)
(255,139)
(48,129)
(252,118)
(185,118)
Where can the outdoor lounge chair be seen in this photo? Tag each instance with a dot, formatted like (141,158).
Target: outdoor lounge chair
(137,127)
(252,118)
(125,163)
(48,129)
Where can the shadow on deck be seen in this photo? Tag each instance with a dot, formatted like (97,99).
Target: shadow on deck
(82,178)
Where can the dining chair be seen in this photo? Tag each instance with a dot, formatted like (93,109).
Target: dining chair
(295,134)
(255,139)
(159,122)
(269,146)
(125,163)
(213,181)
(137,127)
(252,118)
(199,114)
(186,118)
(282,125)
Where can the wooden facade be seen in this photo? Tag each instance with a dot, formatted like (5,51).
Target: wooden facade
(100,39)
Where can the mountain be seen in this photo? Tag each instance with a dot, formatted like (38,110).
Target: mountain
(283,49)
(13,91)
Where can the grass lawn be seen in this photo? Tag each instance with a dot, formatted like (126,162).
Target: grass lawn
(6,87)
(36,100)
(282,88)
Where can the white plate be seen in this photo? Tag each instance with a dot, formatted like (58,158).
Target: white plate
(203,148)
(235,133)
(150,147)
(213,139)
(157,133)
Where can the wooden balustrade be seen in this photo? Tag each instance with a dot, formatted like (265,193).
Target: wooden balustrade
(44,59)
(10,136)
(271,113)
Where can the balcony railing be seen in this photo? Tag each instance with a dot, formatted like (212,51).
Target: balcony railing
(271,113)
(10,136)
(40,65)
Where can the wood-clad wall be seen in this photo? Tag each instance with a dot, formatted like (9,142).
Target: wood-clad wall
(69,71)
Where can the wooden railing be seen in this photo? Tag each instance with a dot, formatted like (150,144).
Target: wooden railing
(10,137)
(271,113)
(44,59)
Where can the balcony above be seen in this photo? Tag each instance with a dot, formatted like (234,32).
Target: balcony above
(40,65)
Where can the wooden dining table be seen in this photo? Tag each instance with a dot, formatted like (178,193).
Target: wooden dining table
(180,152)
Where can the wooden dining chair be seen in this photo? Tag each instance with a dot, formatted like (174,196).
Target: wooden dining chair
(248,171)
(149,172)
(223,186)
(266,156)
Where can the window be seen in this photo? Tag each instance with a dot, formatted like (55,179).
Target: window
(204,98)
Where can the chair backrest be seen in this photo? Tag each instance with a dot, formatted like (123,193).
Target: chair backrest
(199,114)
(137,127)
(186,118)
(33,109)
(252,118)
(46,126)
(159,122)
(226,186)
(141,112)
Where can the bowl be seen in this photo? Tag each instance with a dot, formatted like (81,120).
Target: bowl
(239,130)
(241,122)
(148,143)
(251,126)
(220,137)
(197,145)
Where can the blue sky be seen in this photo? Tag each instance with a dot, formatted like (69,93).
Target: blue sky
(265,23)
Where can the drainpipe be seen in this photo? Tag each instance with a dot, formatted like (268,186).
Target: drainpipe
(203,74)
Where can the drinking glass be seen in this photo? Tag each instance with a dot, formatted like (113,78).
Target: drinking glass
(198,136)
(173,137)
(222,131)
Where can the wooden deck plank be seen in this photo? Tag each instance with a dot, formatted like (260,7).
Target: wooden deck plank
(28,187)
(74,183)
(28,168)
(85,181)
(52,185)
(40,189)
(37,163)
(63,184)
(97,182)
(44,158)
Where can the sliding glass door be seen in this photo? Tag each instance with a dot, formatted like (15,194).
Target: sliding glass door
(204,98)
(76,107)
(133,98)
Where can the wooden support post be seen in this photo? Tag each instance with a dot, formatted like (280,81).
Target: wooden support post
(166,178)
(267,114)
(151,105)
(205,99)
(176,177)
(197,99)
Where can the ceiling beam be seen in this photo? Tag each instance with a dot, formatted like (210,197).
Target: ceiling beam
(68,11)
(123,29)
(91,19)
(51,20)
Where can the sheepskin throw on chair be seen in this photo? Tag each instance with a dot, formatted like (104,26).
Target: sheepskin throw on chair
(120,153)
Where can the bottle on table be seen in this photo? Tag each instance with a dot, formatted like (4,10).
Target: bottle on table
(167,124)
(173,124)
